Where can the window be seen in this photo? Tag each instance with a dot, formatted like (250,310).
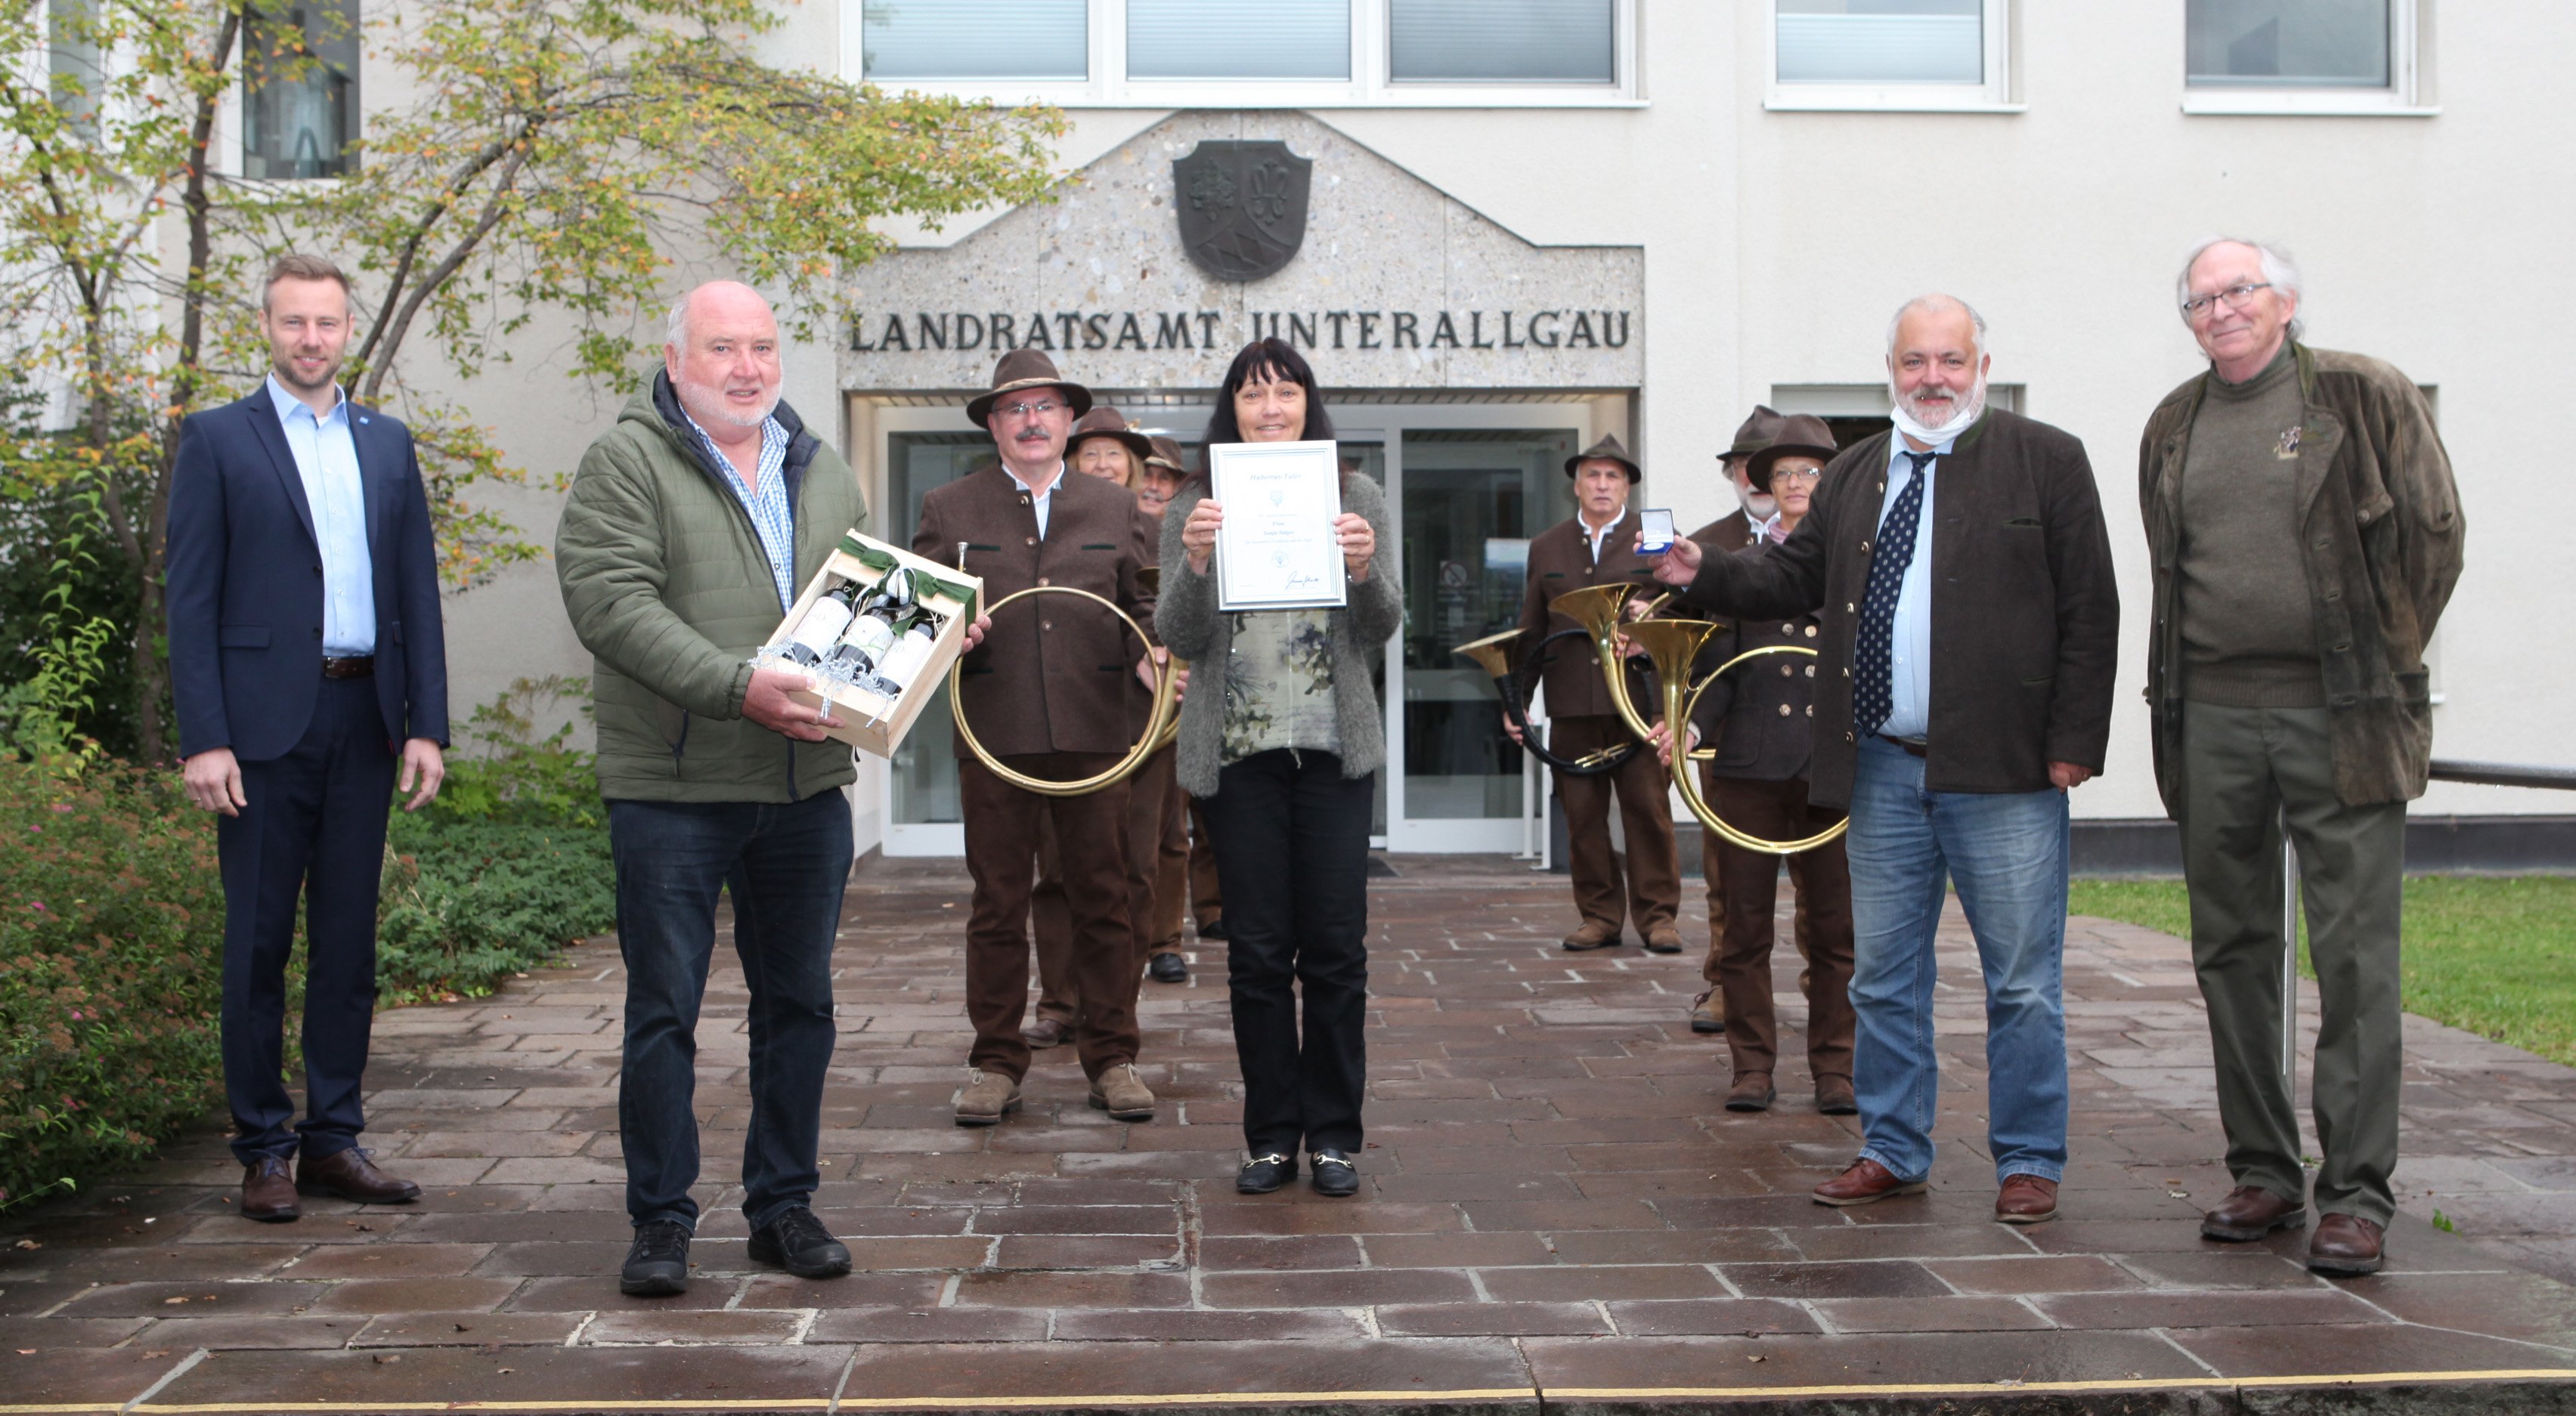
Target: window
(1227,39)
(2299,56)
(1889,54)
(974,39)
(1270,54)
(1501,41)
(300,85)
(72,63)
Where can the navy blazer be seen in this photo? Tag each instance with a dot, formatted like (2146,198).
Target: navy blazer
(245,584)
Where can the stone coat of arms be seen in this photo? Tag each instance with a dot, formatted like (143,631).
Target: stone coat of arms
(1242,206)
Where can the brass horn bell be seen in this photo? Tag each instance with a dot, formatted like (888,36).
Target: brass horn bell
(1161,728)
(1493,654)
(1671,646)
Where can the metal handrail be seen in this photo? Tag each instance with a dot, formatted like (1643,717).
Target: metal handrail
(2506,774)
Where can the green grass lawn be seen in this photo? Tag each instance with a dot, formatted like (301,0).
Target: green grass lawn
(2496,956)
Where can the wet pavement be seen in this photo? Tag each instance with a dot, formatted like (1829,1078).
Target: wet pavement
(1555,1214)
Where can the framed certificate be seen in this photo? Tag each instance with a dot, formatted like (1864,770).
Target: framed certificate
(1276,550)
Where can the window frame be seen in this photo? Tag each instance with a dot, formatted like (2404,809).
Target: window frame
(2407,95)
(1998,94)
(1371,85)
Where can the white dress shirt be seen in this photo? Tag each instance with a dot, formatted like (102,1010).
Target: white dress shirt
(326,461)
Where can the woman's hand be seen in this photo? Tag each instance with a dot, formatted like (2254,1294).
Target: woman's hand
(1661,740)
(1198,534)
(1359,543)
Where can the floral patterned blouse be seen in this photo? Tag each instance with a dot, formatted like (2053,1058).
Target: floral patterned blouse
(1279,685)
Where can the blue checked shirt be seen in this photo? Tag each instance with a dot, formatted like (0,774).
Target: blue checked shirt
(771,516)
(326,462)
(1909,654)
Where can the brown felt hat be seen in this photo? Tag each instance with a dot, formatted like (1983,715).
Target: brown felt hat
(1758,432)
(1606,449)
(1167,455)
(1799,435)
(1104,421)
(1025,369)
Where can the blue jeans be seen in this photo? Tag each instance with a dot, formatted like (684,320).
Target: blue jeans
(785,866)
(2008,853)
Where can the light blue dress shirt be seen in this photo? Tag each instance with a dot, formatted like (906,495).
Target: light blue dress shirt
(1909,652)
(326,460)
(772,519)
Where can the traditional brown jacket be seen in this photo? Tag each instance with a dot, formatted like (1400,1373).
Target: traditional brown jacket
(1052,675)
(2025,614)
(1766,706)
(1560,560)
(2379,535)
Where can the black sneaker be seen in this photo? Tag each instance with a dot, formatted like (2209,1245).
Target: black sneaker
(658,1265)
(1265,1173)
(1213,929)
(1334,1173)
(1168,967)
(797,1242)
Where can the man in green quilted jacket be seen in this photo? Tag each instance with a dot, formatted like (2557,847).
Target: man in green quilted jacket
(692,526)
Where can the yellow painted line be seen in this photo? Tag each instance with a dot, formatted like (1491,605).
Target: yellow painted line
(1237,1398)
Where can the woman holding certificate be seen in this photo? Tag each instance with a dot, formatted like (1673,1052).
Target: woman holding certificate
(1271,591)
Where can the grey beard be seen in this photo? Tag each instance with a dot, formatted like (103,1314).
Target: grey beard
(715,411)
(1965,413)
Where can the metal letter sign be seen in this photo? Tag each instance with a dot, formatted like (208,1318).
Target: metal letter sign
(1242,206)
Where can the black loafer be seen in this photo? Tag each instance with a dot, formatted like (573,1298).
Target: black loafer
(658,1265)
(1168,968)
(1265,1173)
(1334,1173)
(797,1242)
(1213,929)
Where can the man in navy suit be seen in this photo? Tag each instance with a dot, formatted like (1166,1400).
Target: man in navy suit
(307,659)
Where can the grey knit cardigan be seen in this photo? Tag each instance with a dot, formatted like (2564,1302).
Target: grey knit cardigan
(1188,622)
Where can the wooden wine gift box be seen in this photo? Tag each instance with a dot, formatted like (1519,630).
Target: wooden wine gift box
(870,722)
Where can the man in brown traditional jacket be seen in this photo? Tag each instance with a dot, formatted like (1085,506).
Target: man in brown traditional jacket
(1047,696)
(2305,533)
(1597,546)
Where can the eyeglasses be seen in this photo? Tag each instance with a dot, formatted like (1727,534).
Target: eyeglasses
(1038,409)
(2235,296)
(1795,474)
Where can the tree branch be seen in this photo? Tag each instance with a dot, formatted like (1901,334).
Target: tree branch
(396,326)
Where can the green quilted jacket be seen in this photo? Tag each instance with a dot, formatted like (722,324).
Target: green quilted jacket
(668,588)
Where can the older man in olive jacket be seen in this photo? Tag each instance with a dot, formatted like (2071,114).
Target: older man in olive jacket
(692,525)
(2306,534)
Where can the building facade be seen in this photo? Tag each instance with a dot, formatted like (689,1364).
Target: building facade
(1503,228)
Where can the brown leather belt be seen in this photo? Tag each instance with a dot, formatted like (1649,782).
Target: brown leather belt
(354,666)
(1908,744)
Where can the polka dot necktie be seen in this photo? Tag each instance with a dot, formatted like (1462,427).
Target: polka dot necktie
(1873,686)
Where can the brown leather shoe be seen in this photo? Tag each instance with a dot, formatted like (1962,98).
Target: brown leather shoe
(1708,1014)
(1664,940)
(1834,1096)
(268,1192)
(1866,1182)
(1752,1092)
(2026,1199)
(2249,1212)
(2345,1243)
(1045,1032)
(349,1175)
(1593,935)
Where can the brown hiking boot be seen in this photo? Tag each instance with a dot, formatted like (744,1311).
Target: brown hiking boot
(1593,935)
(986,1098)
(1045,1032)
(1752,1092)
(1123,1094)
(1664,940)
(1708,1013)
(1834,1096)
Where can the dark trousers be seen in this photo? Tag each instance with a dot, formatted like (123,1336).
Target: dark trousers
(785,865)
(2243,768)
(1779,811)
(1051,921)
(1171,872)
(1713,872)
(315,828)
(1292,849)
(1207,898)
(1653,895)
(1001,853)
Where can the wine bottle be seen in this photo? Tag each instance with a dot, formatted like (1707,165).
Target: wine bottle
(821,628)
(904,661)
(872,631)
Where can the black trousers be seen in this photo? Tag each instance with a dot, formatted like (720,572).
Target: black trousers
(1291,839)
(315,828)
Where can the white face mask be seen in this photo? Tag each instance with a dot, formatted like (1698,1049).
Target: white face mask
(1969,411)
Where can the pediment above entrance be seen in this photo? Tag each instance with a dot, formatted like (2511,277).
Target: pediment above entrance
(1393,283)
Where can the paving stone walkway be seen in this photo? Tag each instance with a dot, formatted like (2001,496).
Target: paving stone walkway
(1556,1214)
